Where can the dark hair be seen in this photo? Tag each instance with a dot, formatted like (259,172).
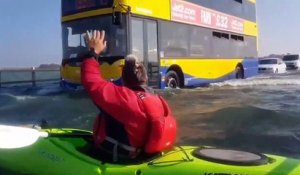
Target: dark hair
(134,72)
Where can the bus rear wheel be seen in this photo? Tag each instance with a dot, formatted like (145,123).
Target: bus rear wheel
(172,80)
(239,72)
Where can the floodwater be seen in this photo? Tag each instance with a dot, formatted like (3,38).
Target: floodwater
(258,114)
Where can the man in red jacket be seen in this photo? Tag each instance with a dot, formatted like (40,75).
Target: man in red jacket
(132,119)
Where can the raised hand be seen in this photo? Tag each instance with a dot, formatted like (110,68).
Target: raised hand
(96,40)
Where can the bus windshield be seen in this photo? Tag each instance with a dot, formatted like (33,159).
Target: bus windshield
(73,33)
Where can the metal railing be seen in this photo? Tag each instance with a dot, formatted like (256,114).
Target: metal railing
(26,75)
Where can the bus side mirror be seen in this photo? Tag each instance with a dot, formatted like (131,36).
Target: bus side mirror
(117,18)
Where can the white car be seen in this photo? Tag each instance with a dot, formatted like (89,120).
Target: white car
(271,65)
(291,61)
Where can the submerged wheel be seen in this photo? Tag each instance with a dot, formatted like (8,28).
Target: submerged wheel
(239,72)
(172,80)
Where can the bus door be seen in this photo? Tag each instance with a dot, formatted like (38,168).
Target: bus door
(144,46)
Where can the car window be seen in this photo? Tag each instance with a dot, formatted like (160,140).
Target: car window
(290,57)
(268,61)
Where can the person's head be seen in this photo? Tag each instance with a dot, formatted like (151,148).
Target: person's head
(134,73)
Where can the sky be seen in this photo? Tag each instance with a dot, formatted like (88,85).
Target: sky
(30,32)
(279,27)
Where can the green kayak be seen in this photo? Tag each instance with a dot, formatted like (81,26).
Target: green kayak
(64,151)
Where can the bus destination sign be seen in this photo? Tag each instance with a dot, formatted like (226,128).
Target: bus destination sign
(74,6)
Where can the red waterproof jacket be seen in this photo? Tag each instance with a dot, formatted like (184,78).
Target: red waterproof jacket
(123,104)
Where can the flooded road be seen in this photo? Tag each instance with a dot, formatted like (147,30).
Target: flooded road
(259,114)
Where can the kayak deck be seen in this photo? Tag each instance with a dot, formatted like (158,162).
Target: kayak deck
(66,151)
(83,142)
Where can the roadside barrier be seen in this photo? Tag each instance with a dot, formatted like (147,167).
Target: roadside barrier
(31,75)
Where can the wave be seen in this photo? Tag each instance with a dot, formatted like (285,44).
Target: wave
(253,82)
(50,90)
(60,110)
(284,79)
(245,127)
(7,99)
(42,89)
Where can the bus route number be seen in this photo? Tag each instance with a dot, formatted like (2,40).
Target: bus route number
(222,21)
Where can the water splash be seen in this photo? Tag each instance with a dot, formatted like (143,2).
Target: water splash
(269,80)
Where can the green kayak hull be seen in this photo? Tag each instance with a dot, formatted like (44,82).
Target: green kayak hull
(63,153)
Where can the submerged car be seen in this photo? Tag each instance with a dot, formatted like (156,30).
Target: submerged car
(292,61)
(271,65)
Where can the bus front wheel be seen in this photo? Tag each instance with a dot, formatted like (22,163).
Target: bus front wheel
(172,80)
(239,72)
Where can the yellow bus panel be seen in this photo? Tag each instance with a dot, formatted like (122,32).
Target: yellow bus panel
(204,68)
(152,8)
(250,28)
(253,1)
(108,71)
(70,74)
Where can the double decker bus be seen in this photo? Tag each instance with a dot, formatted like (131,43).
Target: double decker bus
(182,43)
